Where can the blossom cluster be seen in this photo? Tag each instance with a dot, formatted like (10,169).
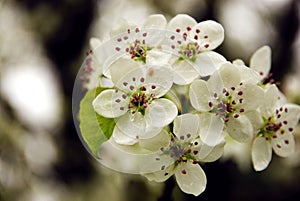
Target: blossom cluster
(171,101)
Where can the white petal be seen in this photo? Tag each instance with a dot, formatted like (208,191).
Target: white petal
(213,30)
(210,154)
(160,140)
(186,124)
(132,125)
(158,58)
(255,118)
(160,112)
(200,95)
(248,75)
(181,21)
(123,70)
(240,128)
(261,61)
(270,101)
(227,76)
(121,138)
(160,176)
(184,72)
(291,114)
(131,159)
(252,96)
(211,129)
(156,21)
(122,27)
(194,179)
(208,62)
(284,145)
(110,104)
(159,80)
(261,153)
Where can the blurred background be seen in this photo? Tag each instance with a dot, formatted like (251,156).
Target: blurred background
(42,46)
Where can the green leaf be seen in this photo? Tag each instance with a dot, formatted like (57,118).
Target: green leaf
(94,128)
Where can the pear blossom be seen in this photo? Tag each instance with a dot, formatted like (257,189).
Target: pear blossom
(191,45)
(185,149)
(274,129)
(131,41)
(136,102)
(225,100)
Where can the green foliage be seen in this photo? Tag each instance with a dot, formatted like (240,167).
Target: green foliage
(94,128)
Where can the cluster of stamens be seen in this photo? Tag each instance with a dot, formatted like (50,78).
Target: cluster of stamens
(87,69)
(268,79)
(137,49)
(139,97)
(227,104)
(189,47)
(181,150)
(274,127)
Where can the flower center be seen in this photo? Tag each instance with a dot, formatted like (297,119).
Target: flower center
(181,150)
(136,47)
(140,100)
(189,51)
(138,50)
(228,104)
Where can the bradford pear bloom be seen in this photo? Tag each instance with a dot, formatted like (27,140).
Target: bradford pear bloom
(136,103)
(191,44)
(185,149)
(225,100)
(132,42)
(274,129)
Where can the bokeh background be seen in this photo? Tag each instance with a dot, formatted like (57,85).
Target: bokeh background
(42,46)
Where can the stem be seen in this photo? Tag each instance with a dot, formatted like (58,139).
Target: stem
(168,189)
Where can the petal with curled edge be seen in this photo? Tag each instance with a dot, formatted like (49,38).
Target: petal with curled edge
(200,95)
(211,34)
(190,178)
(208,62)
(160,113)
(240,128)
(261,153)
(110,104)
(211,129)
(186,124)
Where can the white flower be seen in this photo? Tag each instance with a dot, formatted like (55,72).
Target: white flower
(184,151)
(136,102)
(274,129)
(130,41)
(191,44)
(225,100)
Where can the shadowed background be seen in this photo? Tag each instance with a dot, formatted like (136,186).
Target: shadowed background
(42,46)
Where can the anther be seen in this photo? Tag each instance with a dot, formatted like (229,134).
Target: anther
(240,93)
(236,115)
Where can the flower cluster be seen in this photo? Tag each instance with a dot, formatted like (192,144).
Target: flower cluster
(165,101)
